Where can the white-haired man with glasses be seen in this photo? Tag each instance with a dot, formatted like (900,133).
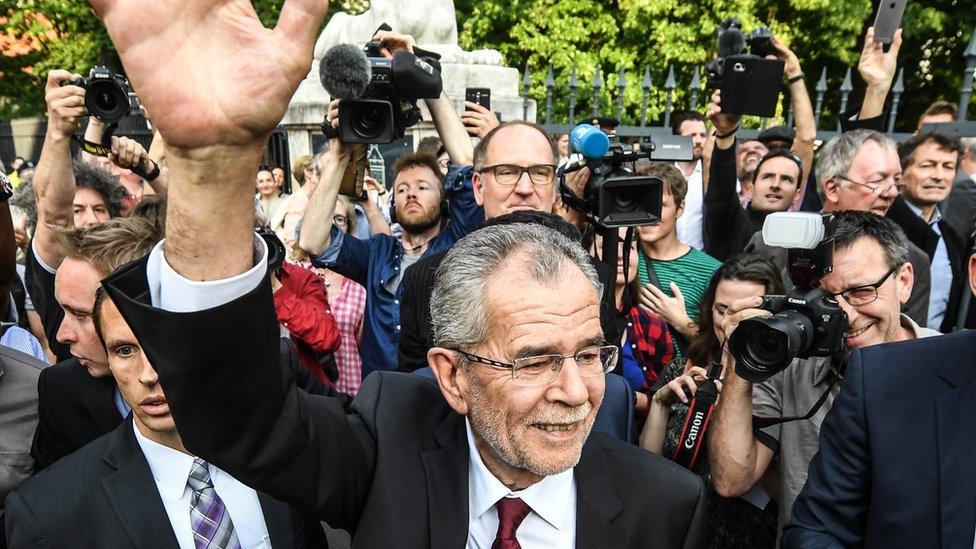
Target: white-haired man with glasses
(871,278)
(860,170)
(495,451)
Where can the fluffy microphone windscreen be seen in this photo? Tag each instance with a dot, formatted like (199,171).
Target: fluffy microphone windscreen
(344,71)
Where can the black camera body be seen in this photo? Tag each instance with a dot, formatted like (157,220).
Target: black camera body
(388,106)
(806,322)
(107,95)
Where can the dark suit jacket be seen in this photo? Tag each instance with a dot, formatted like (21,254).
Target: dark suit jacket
(104,497)
(895,467)
(417,333)
(393,467)
(919,232)
(75,408)
(959,207)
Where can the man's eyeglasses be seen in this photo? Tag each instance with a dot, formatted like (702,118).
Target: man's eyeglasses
(509,174)
(340,220)
(877,187)
(862,295)
(544,369)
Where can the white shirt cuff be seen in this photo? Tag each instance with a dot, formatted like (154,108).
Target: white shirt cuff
(172,292)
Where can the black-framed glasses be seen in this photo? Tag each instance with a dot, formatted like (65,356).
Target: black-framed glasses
(862,295)
(509,174)
(877,187)
(544,369)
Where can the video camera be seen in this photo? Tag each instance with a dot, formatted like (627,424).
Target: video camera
(614,196)
(108,96)
(807,321)
(749,82)
(388,106)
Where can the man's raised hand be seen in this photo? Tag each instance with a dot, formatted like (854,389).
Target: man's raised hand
(208,70)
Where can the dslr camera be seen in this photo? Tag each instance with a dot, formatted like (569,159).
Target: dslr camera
(749,82)
(108,96)
(806,322)
(614,196)
(388,106)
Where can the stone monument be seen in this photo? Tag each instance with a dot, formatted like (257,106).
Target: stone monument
(434,26)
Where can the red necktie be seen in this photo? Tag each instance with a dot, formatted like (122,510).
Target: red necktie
(511,513)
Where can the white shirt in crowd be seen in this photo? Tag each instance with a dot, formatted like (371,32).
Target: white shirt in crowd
(690,222)
(171,469)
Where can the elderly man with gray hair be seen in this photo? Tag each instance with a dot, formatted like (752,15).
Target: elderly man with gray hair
(860,170)
(497,448)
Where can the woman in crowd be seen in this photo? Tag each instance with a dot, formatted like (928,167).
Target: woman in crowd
(348,302)
(646,346)
(731,521)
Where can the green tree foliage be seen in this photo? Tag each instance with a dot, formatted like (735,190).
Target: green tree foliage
(586,34)
(632,34)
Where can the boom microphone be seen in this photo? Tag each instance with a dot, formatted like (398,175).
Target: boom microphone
(345,72)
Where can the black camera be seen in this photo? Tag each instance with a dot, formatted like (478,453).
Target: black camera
(389,105)
(614,196)
(806,322)
(107,95)
(749,82)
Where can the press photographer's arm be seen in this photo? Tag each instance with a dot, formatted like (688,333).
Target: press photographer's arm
(738,460)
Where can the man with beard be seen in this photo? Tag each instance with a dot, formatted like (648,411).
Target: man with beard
(422,202)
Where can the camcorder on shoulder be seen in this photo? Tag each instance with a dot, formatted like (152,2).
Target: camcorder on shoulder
(388,106)
(749,83)
(806,322)
(108,96)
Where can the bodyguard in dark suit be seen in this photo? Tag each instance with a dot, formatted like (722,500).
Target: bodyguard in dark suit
(136,486)
(895,467)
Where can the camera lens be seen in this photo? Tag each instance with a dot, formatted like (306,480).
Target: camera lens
(107,100)
(625,200)
(369,123)
(764,346)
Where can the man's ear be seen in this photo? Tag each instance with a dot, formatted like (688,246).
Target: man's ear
(972,273)
(478,182)
(906,279)
(450,377)
(830,187)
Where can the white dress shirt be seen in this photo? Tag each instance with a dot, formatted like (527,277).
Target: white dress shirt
(689,225)
(171,468)
(551,523)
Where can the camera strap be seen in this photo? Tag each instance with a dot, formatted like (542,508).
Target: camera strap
(761,422)
(104,149)
(700,410)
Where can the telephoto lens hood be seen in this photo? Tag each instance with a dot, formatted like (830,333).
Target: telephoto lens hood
(765,346)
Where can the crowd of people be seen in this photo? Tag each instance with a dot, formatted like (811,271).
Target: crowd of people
(198,358)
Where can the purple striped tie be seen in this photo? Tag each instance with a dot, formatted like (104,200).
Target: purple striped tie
(209,519)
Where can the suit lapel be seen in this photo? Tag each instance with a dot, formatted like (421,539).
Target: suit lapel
(955,417)
(446,469)
(597,502)
(278,518)
(133,494)
(99,400)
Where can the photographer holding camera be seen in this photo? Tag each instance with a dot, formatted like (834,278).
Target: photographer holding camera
(871,278)
(433,211)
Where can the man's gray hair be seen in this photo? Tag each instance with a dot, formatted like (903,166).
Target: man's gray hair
(969,146)
(458,310)
(838,154)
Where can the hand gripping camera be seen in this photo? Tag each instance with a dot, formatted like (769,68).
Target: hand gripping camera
(806,322)
(389,105)
(107,95)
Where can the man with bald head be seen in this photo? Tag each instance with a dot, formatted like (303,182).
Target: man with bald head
(513,172)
